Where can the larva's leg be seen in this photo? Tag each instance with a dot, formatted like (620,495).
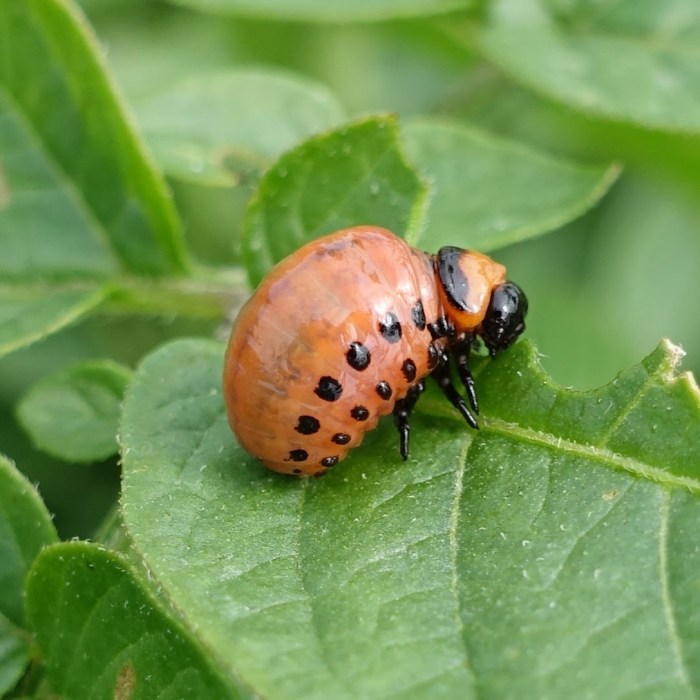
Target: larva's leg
(442,376)
(402,411)
(461,355)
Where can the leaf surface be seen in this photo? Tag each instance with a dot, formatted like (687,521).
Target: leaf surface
(101,629)
(522,561)
(80,201)
(629,61)
(488,192)
(25,527)
(14,654)
(28,315)
(214,128)
(351,176)
(74,414)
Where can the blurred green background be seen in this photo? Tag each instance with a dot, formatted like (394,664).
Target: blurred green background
(602,292)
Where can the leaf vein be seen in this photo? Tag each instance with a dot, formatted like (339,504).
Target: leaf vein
(454,548)
(592,452)
(666,599)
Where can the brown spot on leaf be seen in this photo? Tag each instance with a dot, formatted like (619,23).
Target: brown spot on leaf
(125,684)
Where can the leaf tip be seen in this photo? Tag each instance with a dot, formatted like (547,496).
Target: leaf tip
(665,361)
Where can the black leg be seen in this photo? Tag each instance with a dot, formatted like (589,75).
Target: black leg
(442,376)
(402,410)
(465,374)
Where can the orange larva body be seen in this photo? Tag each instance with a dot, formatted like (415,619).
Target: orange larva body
(334,336)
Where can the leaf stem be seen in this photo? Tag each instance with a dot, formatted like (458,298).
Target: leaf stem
(213,296)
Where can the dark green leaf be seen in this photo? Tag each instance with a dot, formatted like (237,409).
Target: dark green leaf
(351,176)
(213,128)
(73,414)
(489,192)
(14,655)
(25,527)
(631,61)
(522,561)
(104,636)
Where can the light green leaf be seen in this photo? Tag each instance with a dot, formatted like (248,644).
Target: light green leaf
(351,176)
(319,11)
(522,561)
(104,635)
(28,315)
(25,527)
(77,191)
(630,61)
(489,192)
(214,128)
(74,414)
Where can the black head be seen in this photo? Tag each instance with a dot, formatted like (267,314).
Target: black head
(505,317)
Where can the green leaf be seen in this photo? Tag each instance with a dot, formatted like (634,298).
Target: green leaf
(25,527)
(104,635)
(351,176)
(522,561)
(14,655)
(27,315)
(74,414)
(319,11)
(213,128)
(489,192)
(77,191)
(629,61)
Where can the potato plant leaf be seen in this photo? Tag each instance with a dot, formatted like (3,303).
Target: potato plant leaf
(28,315)
(14,654)
(215,128)
(485,192)
(25,527)
(80,200)
(524,560)
(353,175)
(488,192)
(104,635)
(74,414)
(629,61)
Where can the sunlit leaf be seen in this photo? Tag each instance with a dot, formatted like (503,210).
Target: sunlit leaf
(505,563)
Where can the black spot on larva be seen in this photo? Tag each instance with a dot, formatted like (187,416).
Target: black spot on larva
(328,389)
(341,438)
(298,456)
(358,356)
(390,328)
(329,461)
(359,413)
(408,368)
(297,471)
(308,425)
(418,315)
(433,356)
(384,390)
